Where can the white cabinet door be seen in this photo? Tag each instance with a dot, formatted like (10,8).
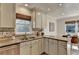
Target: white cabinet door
(35,50)
(40,46)
(10,50)
(8,15)
(38,20)
(43,45)
(44,20)
(25,48)
(33,18)
(52,47)
(47,45)
(62,48)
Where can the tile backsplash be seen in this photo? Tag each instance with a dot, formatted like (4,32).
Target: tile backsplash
(6,32)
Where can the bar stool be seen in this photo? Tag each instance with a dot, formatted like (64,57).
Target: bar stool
(74,41)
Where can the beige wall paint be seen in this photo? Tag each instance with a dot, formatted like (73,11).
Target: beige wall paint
(60,27)
(23,10)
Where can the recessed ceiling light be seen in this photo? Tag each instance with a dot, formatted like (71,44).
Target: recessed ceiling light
(60,4)
(62,13)
(48,9)
(26,4)
(39,13)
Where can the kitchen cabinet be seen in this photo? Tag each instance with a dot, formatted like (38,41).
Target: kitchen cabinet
(62,48)
(36,19)
(53,47)
(40,46)
(10,50)
(39,19)
(31,47)
(43,45)
(34,49)
(7,15)
(25,48)
(44,20)
(46,45)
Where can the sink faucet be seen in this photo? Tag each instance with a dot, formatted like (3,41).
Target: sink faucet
(25,36)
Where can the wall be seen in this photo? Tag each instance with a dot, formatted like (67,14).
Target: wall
(60,27)
(46,30)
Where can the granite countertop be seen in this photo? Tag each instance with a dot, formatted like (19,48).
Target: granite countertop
(10,42)
(5,43)
(57,38)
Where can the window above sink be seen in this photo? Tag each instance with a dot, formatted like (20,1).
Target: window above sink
(23,26)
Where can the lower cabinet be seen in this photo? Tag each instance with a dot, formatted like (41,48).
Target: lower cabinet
(55,47)
(10,50)
(62,48)
(40,46)
(25,48)
(34,49)
(49,46)
(43,45)
(30,48)
(46,43)
(52,47)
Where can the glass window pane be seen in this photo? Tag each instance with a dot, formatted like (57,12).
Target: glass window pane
(70,28)
(23,25)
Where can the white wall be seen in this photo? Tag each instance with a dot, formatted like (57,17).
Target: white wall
(60,27)
(46,30)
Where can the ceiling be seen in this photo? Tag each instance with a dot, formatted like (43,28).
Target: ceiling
(56,9)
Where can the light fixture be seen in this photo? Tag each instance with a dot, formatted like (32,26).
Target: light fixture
(26,4)
(39,13)
(62,13)
(48,9)
(60,4)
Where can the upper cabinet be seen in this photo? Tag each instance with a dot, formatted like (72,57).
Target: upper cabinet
(7,15)
(38,19)
(33,18)
(44,20)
